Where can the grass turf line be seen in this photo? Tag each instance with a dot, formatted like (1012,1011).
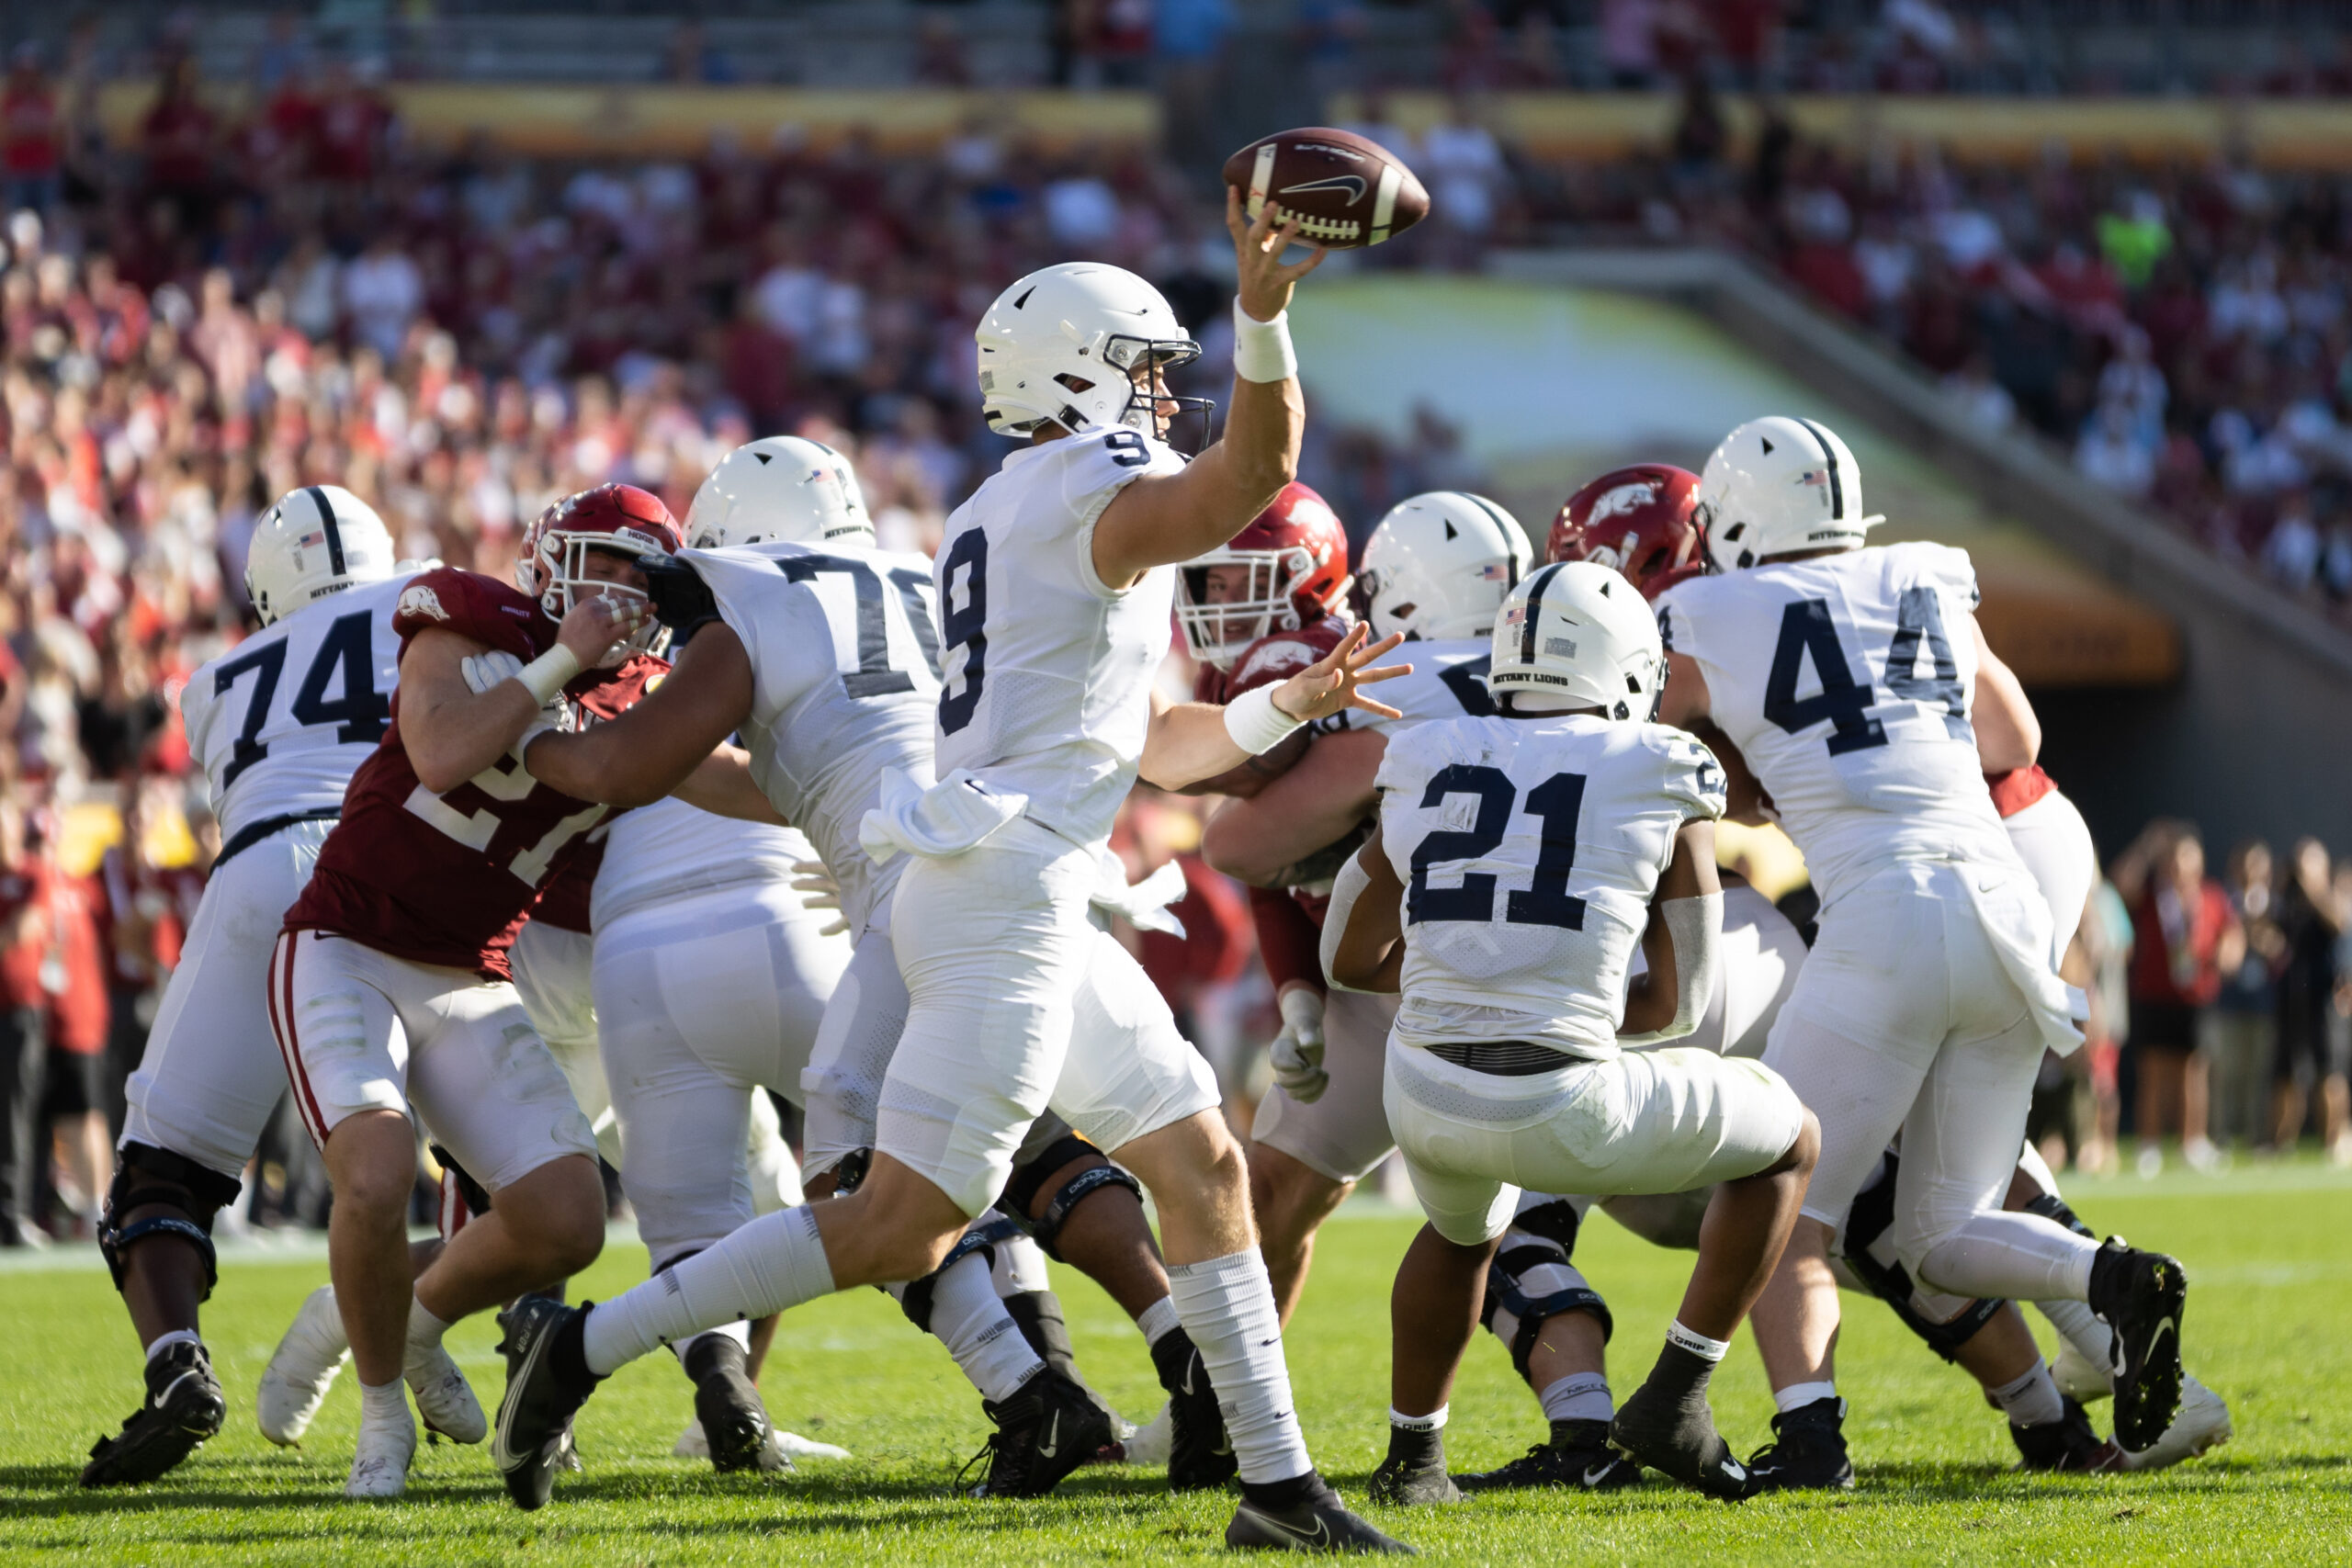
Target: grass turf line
(2265,1326)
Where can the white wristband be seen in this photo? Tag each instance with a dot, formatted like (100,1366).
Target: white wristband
(1262,349)
(1255,723)
(546,676)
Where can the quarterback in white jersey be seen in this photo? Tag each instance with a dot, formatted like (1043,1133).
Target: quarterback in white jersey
(1435,569)
(1518,862)
(1857,684)
(278,724)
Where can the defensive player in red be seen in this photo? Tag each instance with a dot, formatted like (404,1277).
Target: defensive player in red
(389,991)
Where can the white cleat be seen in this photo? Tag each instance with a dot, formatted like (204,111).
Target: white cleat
(2078,1377)
(444,1398)
(380,1468)
(301,1370)
(2202,1425)
(783,1448)
(1151,1442)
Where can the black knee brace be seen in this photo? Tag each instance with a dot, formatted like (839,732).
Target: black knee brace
(984,1237)
(150,1178)
(849,1173)
(2050,1206)
(1871,1217)
(1517,1285)
(1021,1192)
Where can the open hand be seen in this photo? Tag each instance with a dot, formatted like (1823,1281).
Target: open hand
(594,626)
(1330,684)
(1265,283)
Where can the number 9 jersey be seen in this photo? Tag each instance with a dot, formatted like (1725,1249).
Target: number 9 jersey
(1846,680)
(1530,849)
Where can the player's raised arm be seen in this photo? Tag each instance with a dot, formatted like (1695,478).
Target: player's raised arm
(1160,519)
(452,731)
(650,750)
(1198,740)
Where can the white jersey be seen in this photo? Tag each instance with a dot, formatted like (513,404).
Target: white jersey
(1761,954)
(668,850)
(1449,680)
(1847,683)
(282,720)
(1530,849)
(1048,673)
(844,681)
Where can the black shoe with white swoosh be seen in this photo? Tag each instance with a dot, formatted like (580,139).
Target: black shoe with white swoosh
(2140,1295)
(184,1407)
(1678,1435)
(1199,1455)
(528,1444)
(1049,1428)
(1807,1452)
(1577,1459)
(1317,1522)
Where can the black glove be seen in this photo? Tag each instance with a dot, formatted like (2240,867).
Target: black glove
(681,599)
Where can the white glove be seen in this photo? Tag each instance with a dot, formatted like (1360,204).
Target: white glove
(484,671)
(823,893)
(1297,1051)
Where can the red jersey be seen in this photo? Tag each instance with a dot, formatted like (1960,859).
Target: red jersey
(2175,945)
(28,127)
(448,879)
(26,886)
(78,1015)
(563,902)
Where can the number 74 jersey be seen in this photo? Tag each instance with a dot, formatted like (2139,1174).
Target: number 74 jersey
(1847,683)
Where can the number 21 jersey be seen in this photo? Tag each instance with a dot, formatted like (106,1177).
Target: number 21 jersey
(1847,683)
(446,879)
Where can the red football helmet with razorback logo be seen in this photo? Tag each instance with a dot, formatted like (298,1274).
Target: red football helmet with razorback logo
(621,519)
(1643,521)
(1292,562)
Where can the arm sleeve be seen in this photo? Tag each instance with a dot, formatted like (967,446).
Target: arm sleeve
(1287,939)
(1695,927)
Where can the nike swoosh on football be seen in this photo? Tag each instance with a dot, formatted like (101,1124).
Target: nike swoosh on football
(1352,184)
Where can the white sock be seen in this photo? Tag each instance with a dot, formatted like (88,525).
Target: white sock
(2080,1327)
(177,1337)
(2032,1400)
(1020,1267)
(1157,1320)
(1432,1422)
(772,1263)
(2023,1257)
(738,1332)
(1698,1344)
(1226,1304)
(1799,1394)
(424,1330)
(1579,1396)
(383,1405)
(968,1317)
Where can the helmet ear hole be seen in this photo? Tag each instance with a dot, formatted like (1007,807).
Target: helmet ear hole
(1075,383)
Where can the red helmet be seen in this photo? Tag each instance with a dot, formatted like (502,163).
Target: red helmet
(1297,556)
(1642,520)
(616,518)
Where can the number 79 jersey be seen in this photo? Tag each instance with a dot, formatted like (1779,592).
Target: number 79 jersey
(1847,683)
(1530,849)
(281,721)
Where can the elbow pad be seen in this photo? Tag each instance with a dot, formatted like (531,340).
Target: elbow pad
(1695,927)
(1346,888)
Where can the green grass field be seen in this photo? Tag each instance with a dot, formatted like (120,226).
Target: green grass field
(2268,1258)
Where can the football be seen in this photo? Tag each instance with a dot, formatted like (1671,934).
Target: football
(1342,190)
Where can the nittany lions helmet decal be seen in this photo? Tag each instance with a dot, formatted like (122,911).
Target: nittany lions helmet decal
(317,540)
(1579,633)
(1780,485)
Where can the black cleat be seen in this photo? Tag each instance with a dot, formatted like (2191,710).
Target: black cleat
(726,1403)
(535,1416)
(2140,1295)
(1318,1522)
(1807,1452)
(1199,1454)
(1049,1428)
(1678,1435)
(2070,1443)
(1413,1475)
(185,1405)
(1579,1457)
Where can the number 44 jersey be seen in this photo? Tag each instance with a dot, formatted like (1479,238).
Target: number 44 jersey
(1847,683)
(1530,849)
(448,879)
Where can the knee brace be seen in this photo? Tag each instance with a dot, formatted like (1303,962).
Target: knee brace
(1870,1218)
(1529,1282)
(983,1236)
(1021,1192)
(849,1174)
(152,1178)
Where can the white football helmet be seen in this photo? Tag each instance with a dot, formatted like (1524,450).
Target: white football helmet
(1578,633)
(1777,485)
(1439,565)
(1058,346)
(779,487)
(317,540)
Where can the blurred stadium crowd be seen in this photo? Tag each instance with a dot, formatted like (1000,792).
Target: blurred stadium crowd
(225,307)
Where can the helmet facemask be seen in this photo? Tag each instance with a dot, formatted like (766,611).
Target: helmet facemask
(1218,631)
(562,565)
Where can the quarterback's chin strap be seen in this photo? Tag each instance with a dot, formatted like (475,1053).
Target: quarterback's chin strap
(1346,888)
(190,1194)
(1695,927)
